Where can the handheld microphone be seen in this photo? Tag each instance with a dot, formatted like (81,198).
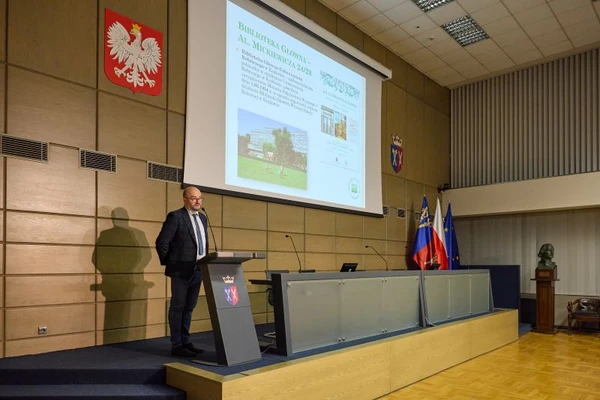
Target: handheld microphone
(211,229)
(295,251)
(384,260)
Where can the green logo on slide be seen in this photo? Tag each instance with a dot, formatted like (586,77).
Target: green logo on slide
(354,188)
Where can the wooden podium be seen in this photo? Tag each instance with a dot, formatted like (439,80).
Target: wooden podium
(229,308)
(544,291)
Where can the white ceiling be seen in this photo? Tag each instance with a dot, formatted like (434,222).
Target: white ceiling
(522,33)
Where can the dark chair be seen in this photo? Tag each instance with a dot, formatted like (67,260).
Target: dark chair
(583,310)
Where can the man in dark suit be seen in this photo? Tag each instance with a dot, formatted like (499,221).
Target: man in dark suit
(181,244)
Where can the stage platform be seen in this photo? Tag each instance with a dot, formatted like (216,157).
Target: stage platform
(363,371)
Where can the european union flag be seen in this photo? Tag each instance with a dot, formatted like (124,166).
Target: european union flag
(424,251)
(451,243)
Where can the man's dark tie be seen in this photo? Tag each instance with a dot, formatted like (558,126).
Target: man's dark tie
(198,235)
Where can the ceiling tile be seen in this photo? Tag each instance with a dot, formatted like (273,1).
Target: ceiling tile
(418,55)
(433,36)
(495,60)
(384,5)
(515,6)
(430,64)
(405,46)
(377,24)
(585,40)
(466,65)
(450,80)
(359,12)
(531,15)
(475,72)
(577,15)
(481,47)
(418,25)
(474,5)
(455,56)
(500,64)
(337,5)
(562,6)
(555,48)
(404,12)
(502,26)
(447,12)
(392,36)
(490,14)
(582,28)
(550,38)
(526,56)
(445,46)
(542,27)
(441,72)
(510,37)
(519,46)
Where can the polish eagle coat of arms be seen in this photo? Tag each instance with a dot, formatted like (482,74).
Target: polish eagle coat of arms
(131,59)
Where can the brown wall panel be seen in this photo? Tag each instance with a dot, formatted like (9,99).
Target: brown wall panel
(3,30)
(131,129)
(175,138)
(240,239)
(1,332)
(397,248)
(48,109)
(374,228)
(49,290)
(322,15)
(24,259)
(320,244)
(124,314)
(129,334)
(119,287)
(349,33)
(372,262)
(23,323)
(285,218)
(298,5)
(2,231)
(177,55)
(119,232)
(56,37)
(213,203)
(152,13)
(320,222)
(258,302)
(244,213)
(348,225)
(348,245)
(58,186)
(46,228)
(280,260)
(2,96)
(321,262)
(49,343)
(255,265)
(278,242)
(129,194)
(110,259)
(375,50)
(1,297)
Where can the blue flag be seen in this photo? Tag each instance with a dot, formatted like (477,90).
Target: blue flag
(451,243)
(424,251)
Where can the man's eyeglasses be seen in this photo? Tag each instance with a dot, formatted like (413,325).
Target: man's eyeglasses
(195,198)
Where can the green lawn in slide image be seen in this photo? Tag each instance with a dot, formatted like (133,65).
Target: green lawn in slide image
(263,171)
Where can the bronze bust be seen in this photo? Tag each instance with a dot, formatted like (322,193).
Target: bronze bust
(546,254)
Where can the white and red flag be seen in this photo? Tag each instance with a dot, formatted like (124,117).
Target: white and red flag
(439,238)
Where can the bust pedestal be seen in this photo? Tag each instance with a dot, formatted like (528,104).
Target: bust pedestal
(544,290)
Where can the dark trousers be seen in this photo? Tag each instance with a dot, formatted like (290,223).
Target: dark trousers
(184,296)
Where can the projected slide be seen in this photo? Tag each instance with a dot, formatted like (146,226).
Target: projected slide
(295,119)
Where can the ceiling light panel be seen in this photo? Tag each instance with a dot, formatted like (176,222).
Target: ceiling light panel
(428,5)
(465,31)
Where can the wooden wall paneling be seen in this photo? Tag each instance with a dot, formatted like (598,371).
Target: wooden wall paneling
(396,198)
(285,218)
(213,203)
(375,227)
(258,302)
(2,31)
(175,138)
(349,33)
(125,314)
(371,259)
(152,13)
(285,260)
(49,343)
(2,91)
(130,334)
(49,290)
(201,326)
(322,15)
(320,244)
(341,258)
(348,225)
(130,128)
(395,124)
(375,50)
(320,262)
(257,264)
(319,222)
(22,323)
(24,259)
(55,37)
(49,109)
(298,5)
(1,297)
(415,82)
(49,187)
(122,232)
(244,213)
(112,259)
(121,287)
(201,310)
(398,67)
(48,228)
(2,234)
(278,242)
(349,245)
(177,56)
(244,240)
(129,194)
(412,141)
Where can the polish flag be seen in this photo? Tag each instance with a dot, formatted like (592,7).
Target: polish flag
(439,238)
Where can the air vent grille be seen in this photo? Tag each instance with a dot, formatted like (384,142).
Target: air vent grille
(401,213)
(163,172)
(97,161)
(386,210)
(24,148)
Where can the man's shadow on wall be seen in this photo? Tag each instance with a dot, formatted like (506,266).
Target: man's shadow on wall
(121,254)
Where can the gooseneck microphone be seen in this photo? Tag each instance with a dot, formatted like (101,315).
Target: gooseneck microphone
(211,229)
(375,250)
(295,251)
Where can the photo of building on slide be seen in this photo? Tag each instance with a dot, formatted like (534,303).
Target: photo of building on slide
(271,151)
(334,123)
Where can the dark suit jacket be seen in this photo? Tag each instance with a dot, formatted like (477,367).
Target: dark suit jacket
(176,244)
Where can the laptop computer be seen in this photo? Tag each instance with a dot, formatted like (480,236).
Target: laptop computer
(349,267)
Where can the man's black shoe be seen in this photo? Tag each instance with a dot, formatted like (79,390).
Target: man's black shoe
(181,351)
(190,347)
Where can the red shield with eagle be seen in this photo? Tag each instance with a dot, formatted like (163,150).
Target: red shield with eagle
(132,54)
